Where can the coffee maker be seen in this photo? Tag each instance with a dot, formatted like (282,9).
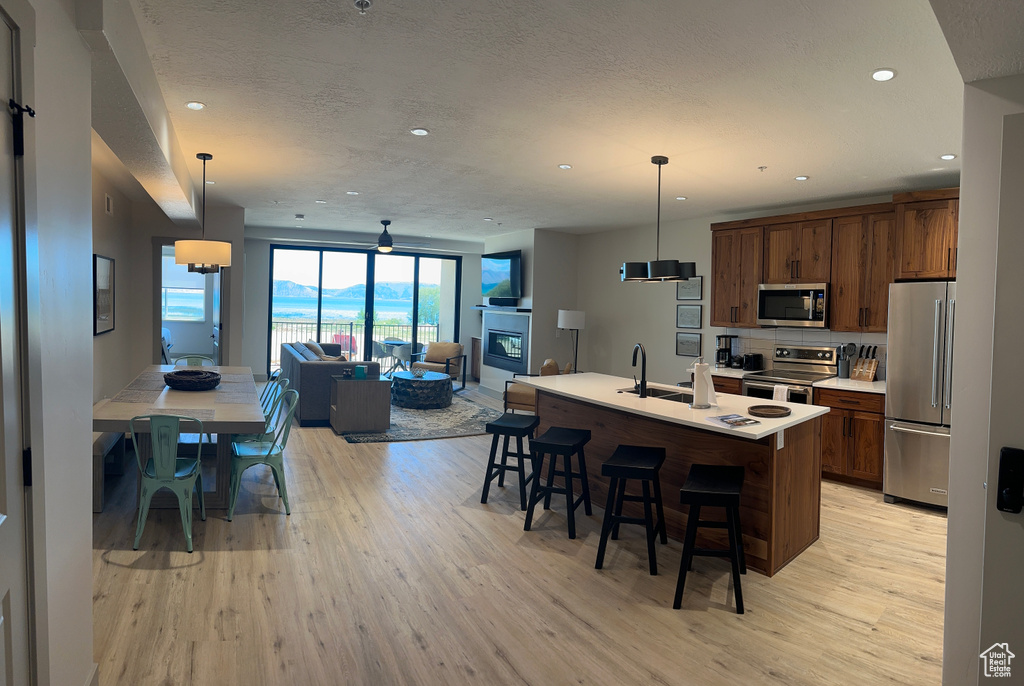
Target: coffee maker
(724,353)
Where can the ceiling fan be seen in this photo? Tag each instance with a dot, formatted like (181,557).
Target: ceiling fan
(386,243)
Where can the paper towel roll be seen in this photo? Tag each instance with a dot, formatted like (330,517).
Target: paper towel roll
(703,387)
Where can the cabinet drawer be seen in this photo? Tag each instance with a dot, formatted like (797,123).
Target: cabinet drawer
(728,384)
(850,400)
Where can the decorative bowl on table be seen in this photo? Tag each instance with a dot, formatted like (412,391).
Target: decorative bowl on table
(418,373)
(192,380)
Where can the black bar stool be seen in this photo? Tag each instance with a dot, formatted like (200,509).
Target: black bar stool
(558,441)
(714,486)
(633,462)
(509,425)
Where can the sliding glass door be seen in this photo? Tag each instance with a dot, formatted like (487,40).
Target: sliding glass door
(321,294)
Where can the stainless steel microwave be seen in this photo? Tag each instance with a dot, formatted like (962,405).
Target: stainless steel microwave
(793,304)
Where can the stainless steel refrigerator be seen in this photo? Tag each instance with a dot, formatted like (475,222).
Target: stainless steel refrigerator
(918,387)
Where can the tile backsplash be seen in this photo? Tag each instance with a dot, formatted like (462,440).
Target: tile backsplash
(764,341)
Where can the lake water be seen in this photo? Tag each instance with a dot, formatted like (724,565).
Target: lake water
(189,306)
(339,308)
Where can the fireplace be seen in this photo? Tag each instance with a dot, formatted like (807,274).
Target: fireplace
(507,341)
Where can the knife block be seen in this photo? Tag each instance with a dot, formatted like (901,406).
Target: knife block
(864,370)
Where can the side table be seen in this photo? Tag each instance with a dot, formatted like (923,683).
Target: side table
(360,404)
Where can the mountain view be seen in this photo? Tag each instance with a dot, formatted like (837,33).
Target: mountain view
(396,290)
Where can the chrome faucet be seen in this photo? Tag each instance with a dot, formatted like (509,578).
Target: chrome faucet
(643,368)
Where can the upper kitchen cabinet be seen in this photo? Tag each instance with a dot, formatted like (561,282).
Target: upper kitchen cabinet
(798,253)
(735,275)
(863,266)
(926,231)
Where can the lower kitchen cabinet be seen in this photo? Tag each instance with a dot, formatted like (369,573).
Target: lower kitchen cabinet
(852,435)
(728,384)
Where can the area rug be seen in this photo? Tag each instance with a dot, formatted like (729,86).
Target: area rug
(463,418)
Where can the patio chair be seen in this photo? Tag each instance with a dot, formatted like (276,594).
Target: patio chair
(164,469)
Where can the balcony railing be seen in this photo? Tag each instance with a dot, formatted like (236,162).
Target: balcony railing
(348,334)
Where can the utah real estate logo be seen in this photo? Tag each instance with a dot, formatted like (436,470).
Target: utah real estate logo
(997,660)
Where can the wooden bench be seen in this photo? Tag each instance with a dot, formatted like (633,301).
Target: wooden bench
(105,443)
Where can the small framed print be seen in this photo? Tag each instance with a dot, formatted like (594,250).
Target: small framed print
(688,344)
(690,289)
(688,316)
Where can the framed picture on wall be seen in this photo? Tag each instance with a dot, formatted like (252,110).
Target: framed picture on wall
(102,294)
(690,289)
(688,344)
(688,316)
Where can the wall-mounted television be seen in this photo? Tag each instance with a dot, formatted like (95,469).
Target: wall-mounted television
(501,277)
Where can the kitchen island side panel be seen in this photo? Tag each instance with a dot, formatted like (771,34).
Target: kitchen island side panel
(778,507)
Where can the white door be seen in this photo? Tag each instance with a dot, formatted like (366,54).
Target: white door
(14,630)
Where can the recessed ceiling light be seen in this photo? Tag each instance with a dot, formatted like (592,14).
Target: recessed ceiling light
(488,219)
(351,192)
(680,197)
(565,166)
(801,178)
(884,74)
(419,132)
(947,156)
(320,202)
(195,105)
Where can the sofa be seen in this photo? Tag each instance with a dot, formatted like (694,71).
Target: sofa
(311,377)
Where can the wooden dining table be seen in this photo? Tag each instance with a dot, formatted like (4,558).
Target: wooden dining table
(233,407)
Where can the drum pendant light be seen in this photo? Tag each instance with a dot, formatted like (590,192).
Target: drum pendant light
(658,270)
(203,256)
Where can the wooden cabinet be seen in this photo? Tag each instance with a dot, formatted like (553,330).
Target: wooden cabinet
(863,266)
(926,237)
(800,252)
(475,357)
(735,275)
(728,384)
(852,435)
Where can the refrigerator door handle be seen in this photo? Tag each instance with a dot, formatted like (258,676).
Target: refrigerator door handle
(908,430)
(948,382)
(936,360)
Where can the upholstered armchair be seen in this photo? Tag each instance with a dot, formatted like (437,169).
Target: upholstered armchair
(445,357)
(519,396)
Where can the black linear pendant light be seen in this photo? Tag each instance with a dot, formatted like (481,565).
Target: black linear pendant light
(658,270)
(384,242)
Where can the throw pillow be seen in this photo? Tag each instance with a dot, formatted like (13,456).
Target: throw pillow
(300,349)
(315,348)
(308,354)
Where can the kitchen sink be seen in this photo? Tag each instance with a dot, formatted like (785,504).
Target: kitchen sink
(662,394)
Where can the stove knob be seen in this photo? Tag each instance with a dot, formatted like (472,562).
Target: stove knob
(821,356)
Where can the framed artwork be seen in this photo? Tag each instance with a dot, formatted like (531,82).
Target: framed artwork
(688,344)
(102,294)
(691,289)
(688,316)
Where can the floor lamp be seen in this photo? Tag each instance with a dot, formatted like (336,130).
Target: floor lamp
(573,320)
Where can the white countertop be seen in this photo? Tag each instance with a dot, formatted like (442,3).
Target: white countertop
(728,371)
(850,385)
(602,390)
(834,382)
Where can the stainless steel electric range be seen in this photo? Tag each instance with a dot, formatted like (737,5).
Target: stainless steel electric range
(797,367)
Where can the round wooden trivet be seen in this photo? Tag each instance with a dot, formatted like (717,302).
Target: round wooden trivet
(769,411)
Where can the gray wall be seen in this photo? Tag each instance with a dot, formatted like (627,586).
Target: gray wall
(60,354)
(985,548)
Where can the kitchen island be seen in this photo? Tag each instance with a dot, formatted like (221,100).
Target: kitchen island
(781,497)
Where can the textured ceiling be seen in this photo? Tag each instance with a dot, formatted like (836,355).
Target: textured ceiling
(307,100)
(985,36)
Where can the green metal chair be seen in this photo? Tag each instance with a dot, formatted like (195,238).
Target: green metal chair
(267,450)
(271,409)
(182,475)
(271,383)
(194,360)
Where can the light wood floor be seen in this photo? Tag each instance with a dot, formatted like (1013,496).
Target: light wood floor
(390,571)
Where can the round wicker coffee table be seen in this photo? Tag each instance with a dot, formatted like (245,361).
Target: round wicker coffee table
(428,392)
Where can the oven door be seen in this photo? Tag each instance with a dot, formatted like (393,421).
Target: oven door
(766,390)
